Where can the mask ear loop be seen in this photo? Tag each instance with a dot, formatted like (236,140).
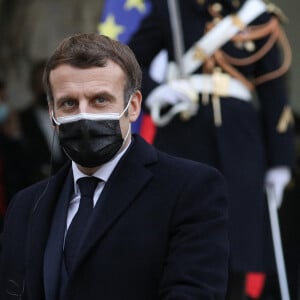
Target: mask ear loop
(127,134)
(121,115)
(126,108)
(54,121)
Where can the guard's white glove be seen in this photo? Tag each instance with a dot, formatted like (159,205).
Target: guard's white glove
(277,178)
(179,94)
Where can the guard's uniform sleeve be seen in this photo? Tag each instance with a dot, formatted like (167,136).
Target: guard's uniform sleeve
(275,110)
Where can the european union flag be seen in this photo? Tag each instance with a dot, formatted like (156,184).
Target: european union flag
(120,19)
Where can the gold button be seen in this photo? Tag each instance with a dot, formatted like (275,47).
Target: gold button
(249,46)
(217,7)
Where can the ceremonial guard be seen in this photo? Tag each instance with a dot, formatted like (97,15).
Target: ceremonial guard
(224,102)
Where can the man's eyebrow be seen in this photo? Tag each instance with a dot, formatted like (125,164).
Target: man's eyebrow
(103,94)
(65,98)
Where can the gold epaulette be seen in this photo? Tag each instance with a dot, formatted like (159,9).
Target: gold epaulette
(286,119)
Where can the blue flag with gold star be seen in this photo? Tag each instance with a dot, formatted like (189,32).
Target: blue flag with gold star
(119,20)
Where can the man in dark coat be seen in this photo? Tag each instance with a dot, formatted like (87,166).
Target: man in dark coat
(154,226)
(251,144)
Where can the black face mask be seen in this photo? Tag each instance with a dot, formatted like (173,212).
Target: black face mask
(90,143)
(91,140)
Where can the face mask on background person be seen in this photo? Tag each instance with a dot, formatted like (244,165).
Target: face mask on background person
(91,139)
(4,112)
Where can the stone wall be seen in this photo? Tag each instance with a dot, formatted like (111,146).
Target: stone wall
(31,29)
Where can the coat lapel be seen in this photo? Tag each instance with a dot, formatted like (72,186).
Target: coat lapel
(54,249)
(129,177)
(38,232)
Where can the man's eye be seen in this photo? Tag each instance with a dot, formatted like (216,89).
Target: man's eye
(69,103)
(100,100)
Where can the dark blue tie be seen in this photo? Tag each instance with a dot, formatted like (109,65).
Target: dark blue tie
(87,186)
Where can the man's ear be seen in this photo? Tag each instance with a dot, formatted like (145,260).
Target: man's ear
(135,106)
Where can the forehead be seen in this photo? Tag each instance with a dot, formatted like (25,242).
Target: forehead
(111,76)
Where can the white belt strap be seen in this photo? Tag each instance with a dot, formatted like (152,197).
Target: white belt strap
(220,85)
(220,34)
